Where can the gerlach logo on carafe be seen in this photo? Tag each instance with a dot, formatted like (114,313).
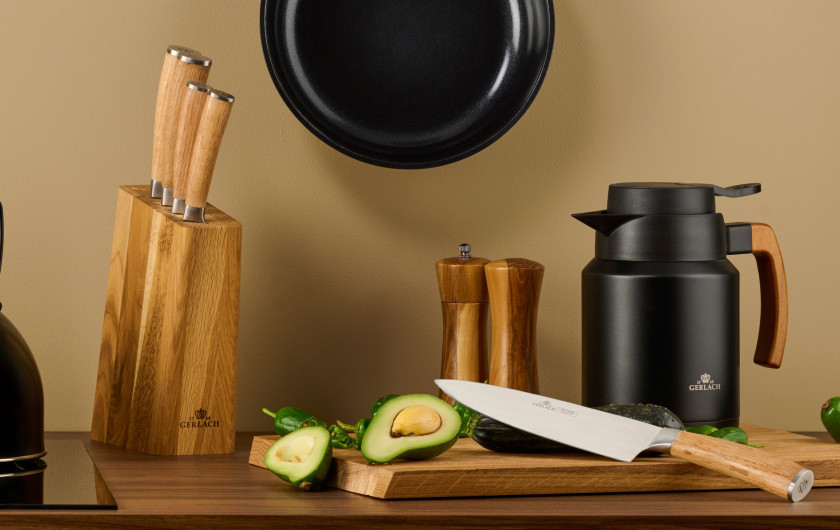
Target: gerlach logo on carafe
(705,383)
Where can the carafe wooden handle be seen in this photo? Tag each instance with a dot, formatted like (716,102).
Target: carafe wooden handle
(760,240)
(772,330)
(514,287)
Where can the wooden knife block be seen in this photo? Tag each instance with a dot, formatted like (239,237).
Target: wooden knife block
(166,383)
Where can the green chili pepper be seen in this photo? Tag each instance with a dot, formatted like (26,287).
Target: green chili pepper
(379,402)
(361,427)
(339,438)
(358,429)
(733,434)
(290,419)
(702,429)
(469,418)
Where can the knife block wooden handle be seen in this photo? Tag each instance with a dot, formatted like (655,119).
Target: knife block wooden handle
(166,382)
(514,286)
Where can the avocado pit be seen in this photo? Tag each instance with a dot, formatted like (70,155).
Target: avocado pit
(416,420)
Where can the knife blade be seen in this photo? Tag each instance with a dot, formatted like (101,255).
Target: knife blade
(194,100)
(623,439)
(214,119)
(179,66)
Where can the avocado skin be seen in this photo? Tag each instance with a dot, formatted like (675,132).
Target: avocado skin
(384,418)
(424,453)
(314,478)
(502,438)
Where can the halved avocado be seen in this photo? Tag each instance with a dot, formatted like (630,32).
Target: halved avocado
(302,457)
(413,426)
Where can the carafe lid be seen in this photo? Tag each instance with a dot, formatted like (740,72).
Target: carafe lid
(670,198)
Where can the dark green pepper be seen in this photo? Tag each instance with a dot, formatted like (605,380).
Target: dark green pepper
(339,438)
(289,419)
(469,418)
(381,401)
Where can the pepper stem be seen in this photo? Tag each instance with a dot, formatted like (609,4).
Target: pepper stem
(272,414)
(346,427)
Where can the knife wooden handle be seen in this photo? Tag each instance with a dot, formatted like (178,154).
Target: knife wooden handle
(776,475)
(191,109)
(177,70)
(214,119)
(514,287)
(464,299)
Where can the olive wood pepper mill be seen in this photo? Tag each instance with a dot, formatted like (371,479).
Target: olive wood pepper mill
(514,288)
(464,299)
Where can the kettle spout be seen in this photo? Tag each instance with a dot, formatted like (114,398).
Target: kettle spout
(602,221)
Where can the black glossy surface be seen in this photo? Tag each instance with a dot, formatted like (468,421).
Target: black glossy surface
(66,478)
(21,396)
(408,84)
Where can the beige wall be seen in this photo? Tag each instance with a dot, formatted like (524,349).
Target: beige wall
(339,298)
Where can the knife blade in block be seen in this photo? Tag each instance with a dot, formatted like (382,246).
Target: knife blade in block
(214,119)
(191,109)
(623,439)
(180,65)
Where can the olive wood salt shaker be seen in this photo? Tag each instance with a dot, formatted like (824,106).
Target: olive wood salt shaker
(463,298)
(514,288)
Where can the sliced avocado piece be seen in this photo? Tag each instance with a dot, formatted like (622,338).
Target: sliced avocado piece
(413,426)
(302,457)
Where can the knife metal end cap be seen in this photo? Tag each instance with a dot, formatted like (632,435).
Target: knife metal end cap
(194,214)
(157,189)
(199,86)
(800,485)
(178,206)
(176,50)
(218,94)
(194,58)
(166,198)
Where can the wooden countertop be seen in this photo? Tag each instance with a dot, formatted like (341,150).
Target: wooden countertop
(224,491)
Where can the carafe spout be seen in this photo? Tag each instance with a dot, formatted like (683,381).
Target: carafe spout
(602,221)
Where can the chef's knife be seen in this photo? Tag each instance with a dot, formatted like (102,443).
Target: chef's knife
(623,438)
(214,119)
(191,109)
(179,66)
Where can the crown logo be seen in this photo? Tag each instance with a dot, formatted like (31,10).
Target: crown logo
(705,378)
(200,414)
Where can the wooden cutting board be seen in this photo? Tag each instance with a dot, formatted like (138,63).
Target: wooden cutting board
(469,470)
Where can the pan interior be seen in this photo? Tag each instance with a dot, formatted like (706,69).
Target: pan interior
(407,83)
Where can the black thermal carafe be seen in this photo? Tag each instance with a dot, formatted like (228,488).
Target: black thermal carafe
(660,301)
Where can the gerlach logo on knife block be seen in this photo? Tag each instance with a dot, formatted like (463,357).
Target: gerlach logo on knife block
(198,420)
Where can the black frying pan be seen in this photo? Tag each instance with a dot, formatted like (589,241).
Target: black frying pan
(408,83)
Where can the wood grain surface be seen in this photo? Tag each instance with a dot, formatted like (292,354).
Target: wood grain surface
(464,304)
(167,372)
(173,83)
(191,110)
(208,140)
(469,470)
(223,491)
(772,331)
(514,287)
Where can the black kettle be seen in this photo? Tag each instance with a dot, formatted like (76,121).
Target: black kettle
(21,393)
(660,301)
